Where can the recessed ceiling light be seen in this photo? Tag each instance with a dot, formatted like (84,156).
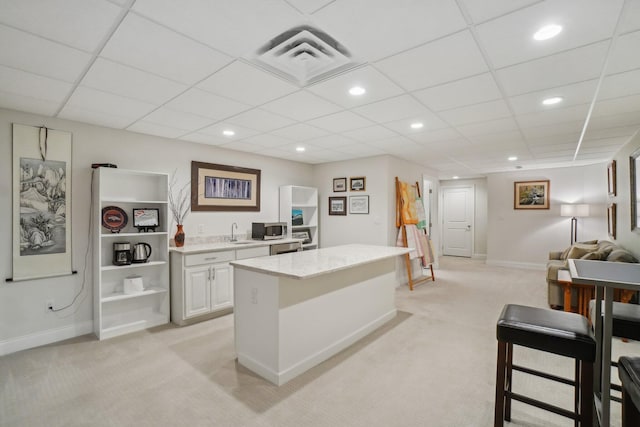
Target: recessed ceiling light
(228,132)
(417,125)
(547,32)
(552,100)
(357,91)
(300,149)
(456,177)
(512,158)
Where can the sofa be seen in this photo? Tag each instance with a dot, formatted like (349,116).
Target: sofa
(602,250)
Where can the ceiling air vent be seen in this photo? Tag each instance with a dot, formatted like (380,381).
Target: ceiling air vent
(304,55)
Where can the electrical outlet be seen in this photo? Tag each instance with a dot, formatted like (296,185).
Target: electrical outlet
(49,305)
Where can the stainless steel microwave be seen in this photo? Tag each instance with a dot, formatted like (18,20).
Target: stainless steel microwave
(268,230)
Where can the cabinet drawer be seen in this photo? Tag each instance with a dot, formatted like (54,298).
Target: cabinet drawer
(252,252)
(208,258)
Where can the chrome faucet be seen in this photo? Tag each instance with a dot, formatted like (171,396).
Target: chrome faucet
(233,239)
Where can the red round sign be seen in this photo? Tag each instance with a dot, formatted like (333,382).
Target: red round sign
(113,218)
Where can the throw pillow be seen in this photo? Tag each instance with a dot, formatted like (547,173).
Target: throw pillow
(596,256)
(621,255)
(579,250)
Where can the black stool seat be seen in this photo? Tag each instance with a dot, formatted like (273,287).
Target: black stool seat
(558,332)
(626,319)
(629,373)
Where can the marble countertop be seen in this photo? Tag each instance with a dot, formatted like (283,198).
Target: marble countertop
(223,246)
(307,264)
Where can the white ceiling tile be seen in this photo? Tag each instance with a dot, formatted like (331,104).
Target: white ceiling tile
(217,129)
(620,105)
(236,28)
(81,114)
(178,120)
(476,113)
(463,92)
(39,56)
(554,140)
(243,146)
(29,104)
(203,138)
(617,85)
(340,122)
(576,65)
(267,140)
(300,132)
(309,6)
(330,141)
(370,133)
(428,136)
(103,102)
(553,129)
(247,84)
(400,107)
(631,19)
(31,85)
(377,87)
(384,28)
(621,58)
(550,117)
(82,24)
(206,104)
(492,126)
(112,77)
(504,139)
(429,121)
(142,44)
(261,120)
(482,10)
(573,94)
(361,150)
(156,129)
(622,131)
(444,60)
(301,106)
(616,120)
(509,39)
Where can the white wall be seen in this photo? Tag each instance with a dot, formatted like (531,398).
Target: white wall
(24,321)
(525,237)
(480,214)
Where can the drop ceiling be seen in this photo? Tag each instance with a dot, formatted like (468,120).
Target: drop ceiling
(468,70)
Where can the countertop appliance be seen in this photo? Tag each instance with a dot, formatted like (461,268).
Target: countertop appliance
(141,252)
(268,230)
(122,253)
(283,248)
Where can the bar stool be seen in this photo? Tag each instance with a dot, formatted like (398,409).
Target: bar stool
(558,332)
(629,373)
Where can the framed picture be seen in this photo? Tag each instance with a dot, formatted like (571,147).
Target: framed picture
(358,204)
(611,220)
(337,205)
(531,195)
(611,177)
(146,219)
(357,184)
(634,172)
(339,185)
(224,188)
(302,233)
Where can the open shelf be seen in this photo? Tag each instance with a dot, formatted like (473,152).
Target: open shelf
(120,296)
(116,235)
(137,265)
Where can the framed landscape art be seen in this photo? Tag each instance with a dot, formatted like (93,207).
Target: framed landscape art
(531,194)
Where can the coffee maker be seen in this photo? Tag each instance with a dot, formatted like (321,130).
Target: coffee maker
(122,253)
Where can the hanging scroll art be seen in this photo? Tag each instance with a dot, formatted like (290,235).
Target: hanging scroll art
(41,202)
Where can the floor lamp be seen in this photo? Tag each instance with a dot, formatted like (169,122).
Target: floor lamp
(574,211)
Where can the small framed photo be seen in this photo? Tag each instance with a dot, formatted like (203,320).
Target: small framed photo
(302,233)
(146,219)
(358,183)
(337,205)
(339,185)
(358,204)
(611,177)
(531,195)
(611,220)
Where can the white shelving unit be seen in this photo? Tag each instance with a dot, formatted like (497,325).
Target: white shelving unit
(304,199)
(114,312)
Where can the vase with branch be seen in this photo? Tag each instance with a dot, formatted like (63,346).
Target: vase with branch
(179,204)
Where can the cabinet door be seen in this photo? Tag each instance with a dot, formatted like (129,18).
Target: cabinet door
(197,291)
(222,286)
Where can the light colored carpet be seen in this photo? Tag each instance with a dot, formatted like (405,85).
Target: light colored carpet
(433,365)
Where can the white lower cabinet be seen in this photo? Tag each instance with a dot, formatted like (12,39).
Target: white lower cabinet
(197,291)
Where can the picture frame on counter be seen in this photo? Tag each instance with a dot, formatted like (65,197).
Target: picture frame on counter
(302,233)
(339,185)
(357,183)
(359,204)
(337,205)
(146,219)
(224,188)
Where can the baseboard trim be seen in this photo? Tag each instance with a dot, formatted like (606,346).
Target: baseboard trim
(515,264)
(479,256)
(37,339)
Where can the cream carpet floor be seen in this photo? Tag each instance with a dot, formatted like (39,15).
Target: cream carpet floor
(433,365)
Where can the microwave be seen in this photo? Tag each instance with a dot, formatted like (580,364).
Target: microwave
(268,230)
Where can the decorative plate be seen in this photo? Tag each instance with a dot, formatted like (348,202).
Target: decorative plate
(114,218)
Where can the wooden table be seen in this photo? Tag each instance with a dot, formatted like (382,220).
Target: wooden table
(605,276)
(585,293)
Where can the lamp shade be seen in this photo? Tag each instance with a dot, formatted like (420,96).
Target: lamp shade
(574,210)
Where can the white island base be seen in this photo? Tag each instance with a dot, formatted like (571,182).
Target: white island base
(288,320)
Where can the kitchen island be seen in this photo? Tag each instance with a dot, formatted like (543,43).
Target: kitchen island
(295,310)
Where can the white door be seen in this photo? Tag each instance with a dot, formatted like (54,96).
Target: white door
(457,221)
(222,286)
(197,291)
